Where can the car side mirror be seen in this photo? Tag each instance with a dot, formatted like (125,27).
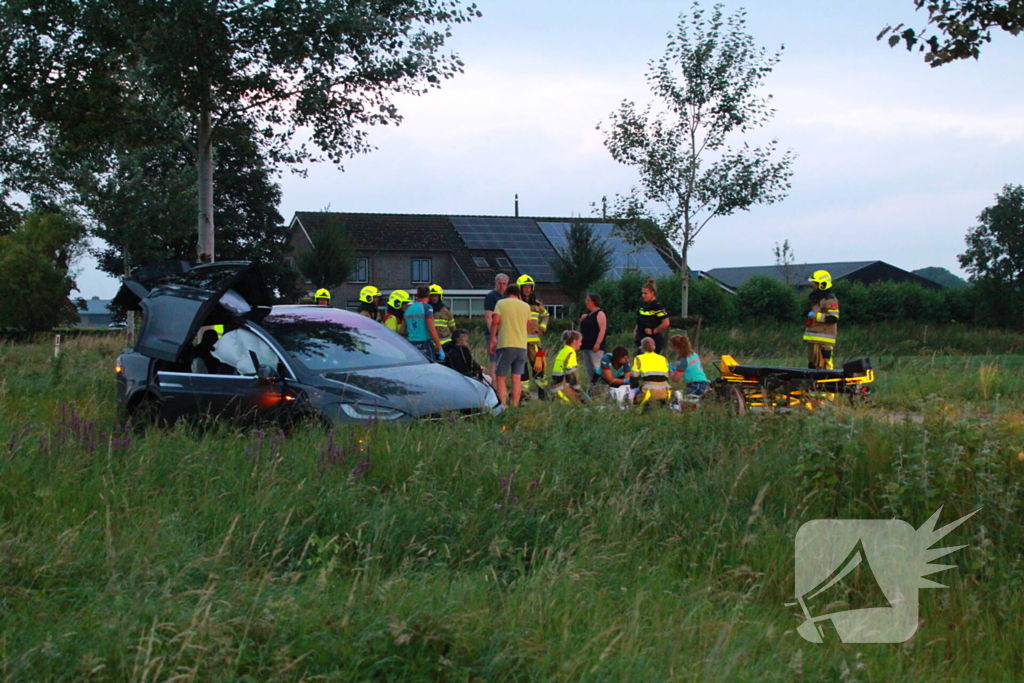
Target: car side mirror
(267,374)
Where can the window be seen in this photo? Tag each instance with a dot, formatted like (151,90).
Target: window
(503,262)
(555,311)
(421,270)
(362,271)
(480,262)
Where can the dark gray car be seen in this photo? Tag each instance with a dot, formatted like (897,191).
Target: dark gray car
(280,363)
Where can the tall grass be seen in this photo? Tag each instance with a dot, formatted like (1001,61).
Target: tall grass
(557,543)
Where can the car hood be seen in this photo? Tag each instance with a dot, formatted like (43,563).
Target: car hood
(177,297)
(417,390)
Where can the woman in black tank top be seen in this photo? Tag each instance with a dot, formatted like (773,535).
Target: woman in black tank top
(594,327)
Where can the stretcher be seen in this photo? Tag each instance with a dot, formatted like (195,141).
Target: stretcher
(760,388)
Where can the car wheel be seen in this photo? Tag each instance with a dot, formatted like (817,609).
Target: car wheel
(146,414)
(737,402)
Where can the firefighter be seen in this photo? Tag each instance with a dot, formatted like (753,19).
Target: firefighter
(649,377)
(444,321)
(323,297)
(822,322)
(565,381)
(537,326)
(394,317)
(368,298)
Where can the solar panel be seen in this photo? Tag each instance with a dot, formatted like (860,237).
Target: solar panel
(625,256)
(520,238)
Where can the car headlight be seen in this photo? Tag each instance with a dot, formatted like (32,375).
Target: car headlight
(362,411)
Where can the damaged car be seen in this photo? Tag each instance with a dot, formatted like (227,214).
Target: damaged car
(211,344)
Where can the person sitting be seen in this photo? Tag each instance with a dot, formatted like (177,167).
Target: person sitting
(688,368)
(565,383)
(614,373)
(649,378)
(460,359)
(203,362)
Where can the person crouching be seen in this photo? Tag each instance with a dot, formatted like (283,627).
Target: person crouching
(688,367)
(565,382)
(649,378)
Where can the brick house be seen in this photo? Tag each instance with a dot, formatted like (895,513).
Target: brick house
(461,253)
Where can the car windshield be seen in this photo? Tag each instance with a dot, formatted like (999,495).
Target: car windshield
(326,339)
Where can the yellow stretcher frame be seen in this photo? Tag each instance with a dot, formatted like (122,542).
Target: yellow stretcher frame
(746,393)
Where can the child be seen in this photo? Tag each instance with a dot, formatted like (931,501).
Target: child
(565,383)
(461,359)
(688,368)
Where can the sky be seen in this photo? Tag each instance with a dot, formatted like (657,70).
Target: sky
(895,159)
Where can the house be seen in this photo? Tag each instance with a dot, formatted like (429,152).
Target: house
(865,272)
(461,253)
(96,313)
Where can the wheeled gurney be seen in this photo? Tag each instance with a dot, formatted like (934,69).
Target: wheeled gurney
(769,388)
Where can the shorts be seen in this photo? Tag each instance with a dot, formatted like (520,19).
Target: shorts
(510,358)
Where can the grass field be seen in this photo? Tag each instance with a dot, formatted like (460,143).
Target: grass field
(553,544)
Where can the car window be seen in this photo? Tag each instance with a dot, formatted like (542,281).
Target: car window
(325,339)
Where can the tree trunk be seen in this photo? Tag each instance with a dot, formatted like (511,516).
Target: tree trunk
(686,284)
(204,168)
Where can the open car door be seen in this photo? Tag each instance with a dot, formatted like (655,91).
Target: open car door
(176,298)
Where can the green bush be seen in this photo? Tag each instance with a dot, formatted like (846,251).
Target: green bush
(713,303)
(765,299)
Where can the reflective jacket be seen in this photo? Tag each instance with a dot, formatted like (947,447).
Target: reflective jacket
(564,370)
(538,322)
(444,322)
(822,323)
(651,370)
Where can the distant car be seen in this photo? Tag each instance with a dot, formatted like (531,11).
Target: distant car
(117,326)
(280,363)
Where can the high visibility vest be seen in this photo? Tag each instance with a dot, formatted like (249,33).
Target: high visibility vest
(652,369)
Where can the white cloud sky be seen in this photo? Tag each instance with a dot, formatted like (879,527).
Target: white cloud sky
(895,159)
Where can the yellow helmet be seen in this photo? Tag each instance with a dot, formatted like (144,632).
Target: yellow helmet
(367,293)
(323,294)
(436,289)
(399,297)
(525,280)
(821,278)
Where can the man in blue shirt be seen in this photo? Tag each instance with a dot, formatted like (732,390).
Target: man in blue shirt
(490,301)
(419,325)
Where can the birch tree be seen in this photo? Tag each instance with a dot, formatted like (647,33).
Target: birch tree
(707,88)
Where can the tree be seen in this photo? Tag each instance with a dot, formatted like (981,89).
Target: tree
(584,260)
(111,71)
(35,272)
(784,262)
(963,24)
(708,82)
(994,259)
(941,276)
(142,206)
(332,259)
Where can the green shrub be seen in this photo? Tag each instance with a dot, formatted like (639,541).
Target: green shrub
(765,299)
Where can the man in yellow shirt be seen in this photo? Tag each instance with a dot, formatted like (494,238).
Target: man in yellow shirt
(508,338)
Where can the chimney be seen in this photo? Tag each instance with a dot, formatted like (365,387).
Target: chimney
(517,205)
